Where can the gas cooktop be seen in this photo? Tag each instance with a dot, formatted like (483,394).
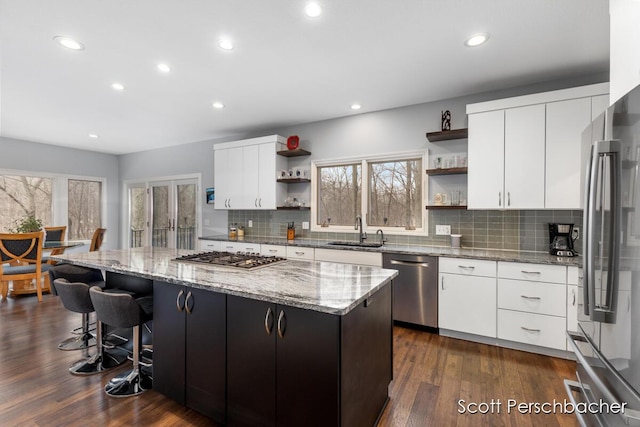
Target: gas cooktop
(244,260)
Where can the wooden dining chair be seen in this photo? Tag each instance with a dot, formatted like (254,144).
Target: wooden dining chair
(54,234)
(21,259)
(96,240)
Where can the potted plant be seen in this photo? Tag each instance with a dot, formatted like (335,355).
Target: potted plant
(28,224)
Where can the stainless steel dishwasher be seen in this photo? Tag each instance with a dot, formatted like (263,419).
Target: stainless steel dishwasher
(415,290)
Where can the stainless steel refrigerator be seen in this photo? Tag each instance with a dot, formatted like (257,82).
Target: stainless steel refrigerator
(606,390)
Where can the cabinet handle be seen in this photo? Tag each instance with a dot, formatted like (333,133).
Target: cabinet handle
(509,198)
(186,303)
(178,305)
(573,293)
(299,253)
(530,329)
(273,251)
(255,203)
(530,272)
(260,202)
(528,297)
(442,283)
(282,324)
(225,203)
(499,198)
(466,267)
(248,249)
(229,202)
(228,247)
(268,321)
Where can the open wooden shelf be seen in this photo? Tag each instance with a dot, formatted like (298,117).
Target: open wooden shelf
(446,207)
(446,135)
(293,208)
(293,153)
(447,171)
(293,180)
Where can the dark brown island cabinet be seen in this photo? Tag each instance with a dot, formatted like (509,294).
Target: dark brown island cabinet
(247,362)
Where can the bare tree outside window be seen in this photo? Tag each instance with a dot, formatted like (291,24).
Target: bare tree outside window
(22,196)
(138,219)
(84,209)
(339,194)
(395,194)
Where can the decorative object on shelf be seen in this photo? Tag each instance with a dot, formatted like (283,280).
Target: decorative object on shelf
(446,120)
(292,142)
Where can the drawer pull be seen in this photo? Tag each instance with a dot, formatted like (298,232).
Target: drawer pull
(228,247)
(273,251)
(530,329)
(466,267)
(530,298)
(299,253)
(530,272)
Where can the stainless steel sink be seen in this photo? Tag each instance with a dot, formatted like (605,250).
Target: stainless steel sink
(356,244)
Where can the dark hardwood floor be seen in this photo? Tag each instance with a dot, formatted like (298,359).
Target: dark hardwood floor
(431,374)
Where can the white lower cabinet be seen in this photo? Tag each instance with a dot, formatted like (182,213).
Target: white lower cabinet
(240,247)
(273,250)
(298,252)
(532,304)
(210,245)
(467,296)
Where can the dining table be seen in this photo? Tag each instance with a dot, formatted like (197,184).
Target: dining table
(51,247)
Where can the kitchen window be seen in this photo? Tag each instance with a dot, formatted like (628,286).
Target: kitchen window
(388,192)
(53,199)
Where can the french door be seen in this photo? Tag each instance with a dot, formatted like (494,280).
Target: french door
(164,214)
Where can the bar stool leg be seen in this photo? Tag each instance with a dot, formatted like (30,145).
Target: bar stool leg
(102,360)
(82,341)
(133,382)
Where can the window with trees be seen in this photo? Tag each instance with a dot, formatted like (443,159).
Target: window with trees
(387,192)
(54,200)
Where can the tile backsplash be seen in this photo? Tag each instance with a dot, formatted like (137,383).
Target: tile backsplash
(510,230)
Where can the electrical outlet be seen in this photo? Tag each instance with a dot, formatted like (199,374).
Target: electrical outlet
(305,225)
(250,224)
(206,221)
(443,230)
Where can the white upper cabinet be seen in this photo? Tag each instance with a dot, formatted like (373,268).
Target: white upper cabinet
(245,173)
(541,150)
(566,120)
(524,157)
(485,176)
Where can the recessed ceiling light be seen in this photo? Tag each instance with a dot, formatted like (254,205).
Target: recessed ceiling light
(69,43)
(476,39)
(225,44)
(93,135)
(356,106)
(313,10)
(117,86)
(163,68)
(218,105)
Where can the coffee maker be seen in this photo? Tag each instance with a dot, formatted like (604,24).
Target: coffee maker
(561,240)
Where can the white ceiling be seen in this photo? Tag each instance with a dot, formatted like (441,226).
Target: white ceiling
(285,68)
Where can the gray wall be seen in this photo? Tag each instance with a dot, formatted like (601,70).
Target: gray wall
(32,156)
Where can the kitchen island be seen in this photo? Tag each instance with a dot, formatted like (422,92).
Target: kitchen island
(293,343)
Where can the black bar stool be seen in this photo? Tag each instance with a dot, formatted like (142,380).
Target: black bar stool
(75,297)
(83,338)
(123,311)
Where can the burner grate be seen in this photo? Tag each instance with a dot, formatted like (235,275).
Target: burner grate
(240,259)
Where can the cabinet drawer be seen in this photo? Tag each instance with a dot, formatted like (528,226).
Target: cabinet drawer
(471,267)
(532,272)
(535,329)
(273,250)
(240,247)
(210,245)
(532,297)
(297,252)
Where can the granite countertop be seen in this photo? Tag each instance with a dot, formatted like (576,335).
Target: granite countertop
(321,286)
(488,254)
